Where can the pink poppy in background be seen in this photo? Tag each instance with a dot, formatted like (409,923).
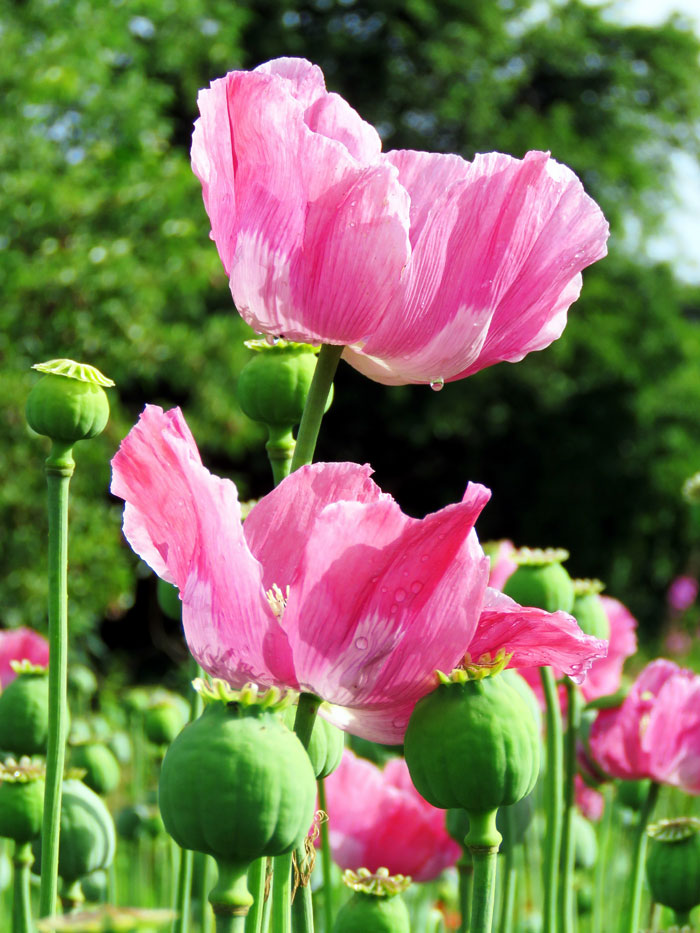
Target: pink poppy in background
(502,563)
(21,644)
(655,733)
(682,593)
(426,266)
(377,819)
(605,673)
(328,587)
(590,802)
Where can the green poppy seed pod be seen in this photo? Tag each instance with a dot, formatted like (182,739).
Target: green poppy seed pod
(473,745)
(69,403)
(102,771)
(237,784)
(21,799)
(164,719)
(376,905)
(673,863)
(88,840)
(325,746)
(588,609)
(24,712)
(274,384)
(540,580)
(82,681)
(95,887)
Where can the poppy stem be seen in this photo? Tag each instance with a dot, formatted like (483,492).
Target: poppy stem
(510,876)
(21,903)
(256,886)
(601,865)
(640,848)
(59,469)
(566,886)
(325,859)
(466,878)
(310,425)
(553,793)
(483,840)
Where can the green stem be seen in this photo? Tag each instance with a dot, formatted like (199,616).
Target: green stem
(601,865)
(22,903)
(282,894)
(640,847)
(310,425)
(566,878)
(280,450)
(553,793)
(325,861)
(681,918)
(228,923)
(483,840)
(510,877)
(466,878)
(230,898)
(302,908)
(59,469)
(256,886)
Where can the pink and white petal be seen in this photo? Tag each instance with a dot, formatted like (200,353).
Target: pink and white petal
(304,81)
(185,523)
(278,524)
(386,725)
(533,637)
(354,252)
(380,604)
(605,674)
(672,729)
(213,164)
(333,117)
(611,749)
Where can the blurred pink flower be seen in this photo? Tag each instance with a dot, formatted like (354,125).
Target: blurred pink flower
(328,587)
(427,267)
(682,593)
(502,564)
(655,733)
(21,644)
(378,819)
(605,673)
(678,642)
(590,802)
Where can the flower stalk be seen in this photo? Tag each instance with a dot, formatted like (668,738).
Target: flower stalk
(483,840)
(21,903)
(566,889)
(553,793)
(310,425)
(325,859)
(636,882)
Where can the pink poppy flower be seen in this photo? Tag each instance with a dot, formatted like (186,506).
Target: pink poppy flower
(378,819)
(682,593)
(21,644)
(502,563)
(590,802)
(605,673)
(426,266)
(328,587)
(655,733)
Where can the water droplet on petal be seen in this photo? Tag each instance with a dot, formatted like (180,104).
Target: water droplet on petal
(270,340)
(383,590)
(416,586)
(394,609)
(424,558)
(437,384)
(399,722)
(400,595)
(360,643)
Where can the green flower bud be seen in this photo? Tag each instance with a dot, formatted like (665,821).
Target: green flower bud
(274,384)
(325,746)
(69,403)
(588,609)
(95,887)
(473,745)
(101,768)
(540,580)
(673,863)
(24,712)
(376,904)
(21,799)
(87,840)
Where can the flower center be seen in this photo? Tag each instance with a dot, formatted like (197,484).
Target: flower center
(277,599)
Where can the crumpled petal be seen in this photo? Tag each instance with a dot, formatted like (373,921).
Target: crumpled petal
(185,523)
(534,637)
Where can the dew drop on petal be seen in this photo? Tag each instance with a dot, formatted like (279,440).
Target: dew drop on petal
(394,609)
(400,595)
(416,586)
(424,558)
(437,384)
(399,722)
(270,340)
(383,589)
(360,643)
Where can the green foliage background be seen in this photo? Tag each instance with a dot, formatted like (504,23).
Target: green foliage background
(104,257)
